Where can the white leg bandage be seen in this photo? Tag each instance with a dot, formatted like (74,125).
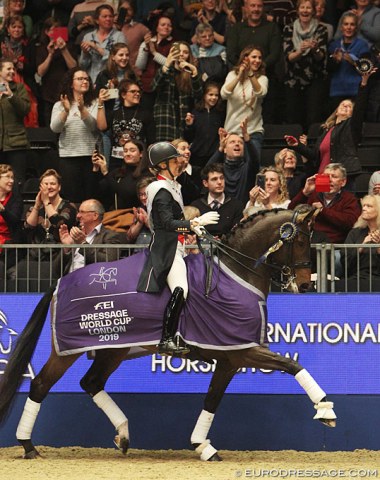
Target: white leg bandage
(27,420)
(109,407)
(202,427)
(310,386)
(206,450)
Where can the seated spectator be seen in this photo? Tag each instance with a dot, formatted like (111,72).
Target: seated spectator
(244,89)
(131,121)
(14,105)
(230,209)
(152,55)
(286,161)
(343,53)
(374,184)
(90,231)
(368,19)
(139,232)
(362,265)
(209,15)
(340,136)
(320,7)
(82,20)
(133,31)
(339,208)
(96,45)
(211,56)
(190,178)
(203,123)
(11,209)
(240,162)
(53,60)
(48,213)
(17,7)
(178,87)
(74,118)
(118,187)
(305,48)
(15,46)
(274,195)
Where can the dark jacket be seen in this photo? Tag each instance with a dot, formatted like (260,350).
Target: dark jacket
(336,219)
(168,222)
(12,113)
(345,139)
(12,215)
(357,235)
(231,212)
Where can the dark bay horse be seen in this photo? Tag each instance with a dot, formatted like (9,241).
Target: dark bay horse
(273,243)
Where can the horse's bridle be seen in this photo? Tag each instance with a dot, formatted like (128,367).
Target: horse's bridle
(288,232)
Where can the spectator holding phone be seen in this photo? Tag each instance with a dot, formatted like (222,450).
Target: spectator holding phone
(270,190)
(340,136)
(54,57)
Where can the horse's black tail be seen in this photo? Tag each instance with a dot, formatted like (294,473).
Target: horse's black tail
(22,354)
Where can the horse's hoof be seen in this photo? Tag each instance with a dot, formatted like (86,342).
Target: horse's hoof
(121,443)
(215,458)
(31,455)
(328,422)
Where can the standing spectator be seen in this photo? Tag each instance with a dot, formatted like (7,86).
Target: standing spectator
(133,31)
(344,52)
(274,195)
(130,121)
(178,86)
(230,209)
(53,60)
(40,10)
(211,55)
(244,89)
(11,209)
(209,15)
(340,136)
(15,45)
(189,179)
(118,187)
(96,45)
(14,105)
(74,118)
(17,7)
(152,54)
(305,45)
(320,7)
(368,20)
(203,124)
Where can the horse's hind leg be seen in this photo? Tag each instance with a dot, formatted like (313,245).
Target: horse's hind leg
(261,357)
(51,372)
(93,383)
(221,378)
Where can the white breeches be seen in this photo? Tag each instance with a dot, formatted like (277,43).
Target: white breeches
(177,276)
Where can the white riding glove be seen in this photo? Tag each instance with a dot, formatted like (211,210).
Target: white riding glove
(208,218)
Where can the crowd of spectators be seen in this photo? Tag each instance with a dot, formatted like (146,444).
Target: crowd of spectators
(110,78)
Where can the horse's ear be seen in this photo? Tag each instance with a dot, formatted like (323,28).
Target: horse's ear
(303,214)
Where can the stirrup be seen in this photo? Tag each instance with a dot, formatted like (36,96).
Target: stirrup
(169,347)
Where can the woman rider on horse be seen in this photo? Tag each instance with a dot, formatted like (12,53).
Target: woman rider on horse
(165,263)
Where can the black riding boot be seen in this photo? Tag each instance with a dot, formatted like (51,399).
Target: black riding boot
(173,309)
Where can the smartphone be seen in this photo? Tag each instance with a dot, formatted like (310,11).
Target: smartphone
(260,180)
(3,87)
(291,139)
(322,182)
(121,16)
(175,46)
(113,93)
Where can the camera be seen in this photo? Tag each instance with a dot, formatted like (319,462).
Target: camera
(322,182)
(260,180)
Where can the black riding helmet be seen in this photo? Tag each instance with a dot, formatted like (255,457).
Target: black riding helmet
(161,152)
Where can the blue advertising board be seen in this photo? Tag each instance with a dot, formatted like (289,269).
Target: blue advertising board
(334,336)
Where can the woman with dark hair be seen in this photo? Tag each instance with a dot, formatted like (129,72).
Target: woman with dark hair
(118,186)
(53,60)
(245,89)
(74,118)
(130,121)
(178,87)
(152,54)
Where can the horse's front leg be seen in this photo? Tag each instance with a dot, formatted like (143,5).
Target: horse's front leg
(261,357)
(93,383)
(221,378)
(40,386)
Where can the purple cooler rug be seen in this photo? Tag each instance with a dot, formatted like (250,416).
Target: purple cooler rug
(98,307)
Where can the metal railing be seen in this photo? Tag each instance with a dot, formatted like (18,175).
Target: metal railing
(33,268)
